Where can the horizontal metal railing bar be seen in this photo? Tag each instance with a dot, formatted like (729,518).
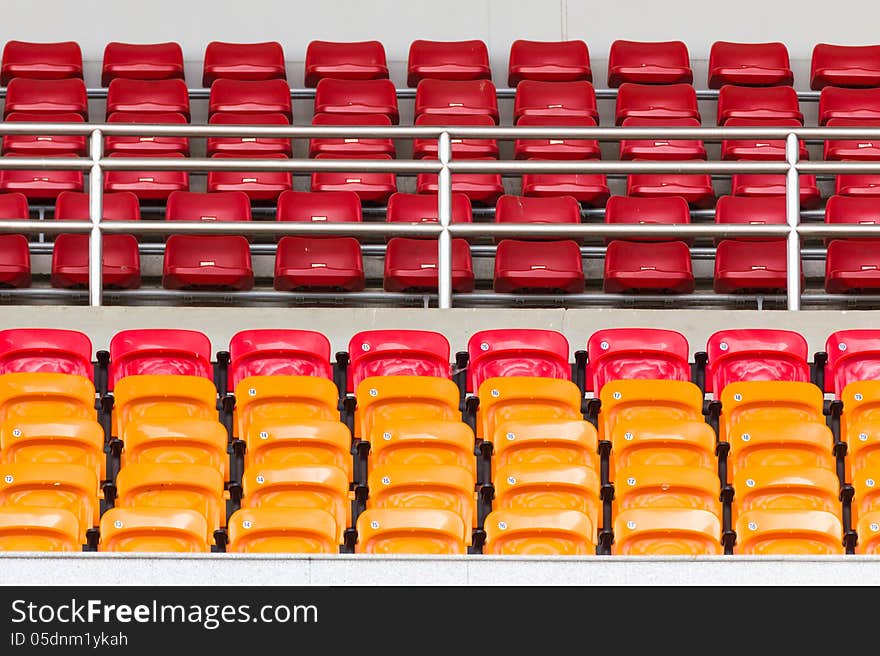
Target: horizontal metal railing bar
(274,228)
(513,167)
(853,167)
(31,227)
(848,230)
(620,231)
(46,163)
(294,165)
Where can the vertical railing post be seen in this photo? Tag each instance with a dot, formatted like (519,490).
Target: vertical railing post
(96,212)
(793,217)
(444,215)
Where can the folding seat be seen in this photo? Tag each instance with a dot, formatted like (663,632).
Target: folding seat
(844,66)
(851,265)
(779,443)
(852,149)
(555,100)
(869,532)
(636,354)
(867,496)
(662,443)
(667,532)
(278,352)
(525,209)
(539,532)
(516,352)
(45,349)
(426,531)
(524,398)
(47,441)
(696,189)
(737,355)
(753,267)
(653,101)
(852,357)
(648,267)
(556,148)
(15,257)
(749,64)
(159,351)
(647,401)
(45,396)
(424,443)
(188,441)
(135,146)
(457,98)
(857,185)
(763,185)
(422,208)
(447,60)
(589,188)
(660,148)
(545,442)
(248,146)
(461,148)
(46,97)
(38,529)
(837,103)
(148,97)
(283,443)
(411,265)
(40,487)
(789,532)
(44,144)
(767,400)
(371,187)
(658,62)
(397,353)
(258,186)
(546,266)
(250,97)
(356,97)
(39,185)
(283,398)
(150,187)
(243,61)
(666,486)
(786,488)
(778,103)
(70,252)
(351,145)
(282,530)
(308,263)
(154,529)
(750,210)
(162,397)
(141,61)
(760,149)
(354,60)
(45,61)
(481,188)
(858,423)
(548,61)
(174,486)
(667,210)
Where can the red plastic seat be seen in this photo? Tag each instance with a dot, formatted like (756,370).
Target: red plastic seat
(844,66)
(740,355)
(325,206)
(852,265)
(243,61)
(196,206)
(516,352)
(751,210)
(672,210)
(148,96)
(857,185)
(447,60)
(370,187)
(35,350)
(135,146)
(141,61)
(761,185)
(319,263)
(555,99)
(353,60)
(776,103)
(522,266)
(648,62)
(351,145)
(760,149)
(696,189)
(480,188)
(852,210)
(656,101)
(422,208)
(648,267)
(548,61)
(38,145)
(661,148)
(556,148)
(251,97)
(70,253)
(461,148)
(397,353)
(636,354)
(248,146)
(457,97)
(852,149)
(154,351)
(42,184)
(15,260)
(411,265)
(750,266)
(349,97)
(530,209)
(148,186)
(588,188)
(852,357)
(841,103)
(260,186)
(35,96)
(749,64)
(278,352)
(45,61)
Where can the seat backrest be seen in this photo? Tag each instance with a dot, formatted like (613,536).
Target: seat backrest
(516,352)
(559,442)
(853,355)
(287,530)
(286,442)
(298,398)
(781,443)
(422,442)
(42,396)
(428,531)
(647,400)
(786,488)
(162,530)
(38,529)
(517,398)
(788,532)
(384,400)
(397,353)
(273,352)
(655,443)
(636,354)
(667,532)
(188,441)
(53,440)
(752,355)
(667,486)
(36,350)
(159,351)
(768,400)
(539,532)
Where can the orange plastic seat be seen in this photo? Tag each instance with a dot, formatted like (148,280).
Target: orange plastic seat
(288,398)
(860,423)
(422,442)
(71,441)
(647,400)
(667,532)
(769,400)
(410,531)
(518,398)
(282,530)
(667,486)
(382,400)
(185,441)
(283,443)
(869,533)
(38,529)
(780,443)
(539,532)
(552,442)
(659,442)
(788,532)
(159,530)
(157,396)
(786,488)
(51,396)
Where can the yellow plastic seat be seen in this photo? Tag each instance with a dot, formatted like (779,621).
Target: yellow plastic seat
(445,487)
(305,486)
(775,443)
(868,530)
(550,487)
(560,442)
(385,400)
(73,441)
(683,443)
(648,401)
(24,528)
(282,530)
(785,488)
(423,442)
(539,532)
(283,399)
(157,530)
(667,532)
(177,441)
(769,401)
(69,487)
(525,398)
(788,532)
(157,396)
(667,486)
(428,531)
(193,487)
(42,396)
(279,443)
